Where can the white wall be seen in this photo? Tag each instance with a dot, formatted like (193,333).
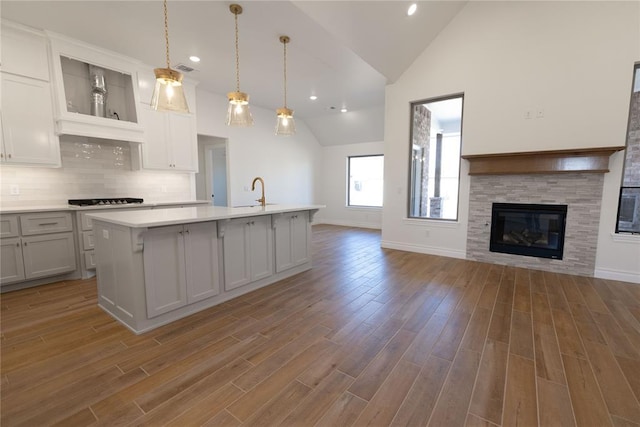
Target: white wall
(334,184)
(571,60)
(290,166)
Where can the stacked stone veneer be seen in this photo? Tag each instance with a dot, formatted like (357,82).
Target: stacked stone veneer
(581,192)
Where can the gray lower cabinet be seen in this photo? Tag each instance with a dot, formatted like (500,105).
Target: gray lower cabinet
(248,250)
(44,246)
(180,266)
(292,237)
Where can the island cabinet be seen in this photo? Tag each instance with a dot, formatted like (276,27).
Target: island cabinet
(248,250)
(180,266)
(292,238)
(154,267)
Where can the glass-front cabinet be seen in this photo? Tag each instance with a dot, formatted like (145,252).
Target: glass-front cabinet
(96,91)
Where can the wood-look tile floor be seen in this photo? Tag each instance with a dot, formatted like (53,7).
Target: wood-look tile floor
(367,337)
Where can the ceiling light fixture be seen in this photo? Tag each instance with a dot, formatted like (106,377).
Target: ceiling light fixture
(238,113)
(313,97)
(285,124)
(194,58)
(343,110)
(412,9)
(168,94)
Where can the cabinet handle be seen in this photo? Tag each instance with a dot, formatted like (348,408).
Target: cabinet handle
(25,243)
(18,244)
(180,233)
(47,223)
(9,155)
(1,155)
(186,231)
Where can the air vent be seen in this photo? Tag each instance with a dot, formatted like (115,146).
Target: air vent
(183,68)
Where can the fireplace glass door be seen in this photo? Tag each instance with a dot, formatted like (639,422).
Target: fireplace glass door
(528,229)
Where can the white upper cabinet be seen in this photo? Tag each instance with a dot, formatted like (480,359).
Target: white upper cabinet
(24,52)
(171,140)
(27,136)
(96,91)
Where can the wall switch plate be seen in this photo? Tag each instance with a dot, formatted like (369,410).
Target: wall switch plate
(105,234)
(14,190)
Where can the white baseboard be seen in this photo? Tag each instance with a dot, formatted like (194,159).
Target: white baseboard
(357,224)
(622,276)
(430,250)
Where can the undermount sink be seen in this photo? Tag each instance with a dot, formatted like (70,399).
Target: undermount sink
(253,206)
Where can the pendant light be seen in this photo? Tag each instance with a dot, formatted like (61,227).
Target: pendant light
(238,113)
(285,124)
(168,94)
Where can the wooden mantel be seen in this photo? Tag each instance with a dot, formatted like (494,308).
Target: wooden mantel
(594,160)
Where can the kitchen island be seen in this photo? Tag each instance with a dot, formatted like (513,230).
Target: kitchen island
(154,267)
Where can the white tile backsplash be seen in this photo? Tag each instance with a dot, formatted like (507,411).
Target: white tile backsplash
(92,168)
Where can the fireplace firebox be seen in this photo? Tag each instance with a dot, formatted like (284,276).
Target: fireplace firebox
(528,229)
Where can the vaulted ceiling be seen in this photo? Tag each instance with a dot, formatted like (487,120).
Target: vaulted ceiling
(344,52)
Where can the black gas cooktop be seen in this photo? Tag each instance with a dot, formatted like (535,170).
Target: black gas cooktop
(108,202)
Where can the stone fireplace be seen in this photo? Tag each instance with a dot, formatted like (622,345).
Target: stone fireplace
(574,179)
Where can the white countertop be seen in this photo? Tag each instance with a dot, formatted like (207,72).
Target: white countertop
(67,207)
(162,217)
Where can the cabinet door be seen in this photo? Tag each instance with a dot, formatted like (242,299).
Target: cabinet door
(48,255)
(27,122)
(24,52)
(11,262)
(201,256)
(164,270)
(284,237)
(301,237)
(155,150)
(236,251)
(261,247)
(183,141)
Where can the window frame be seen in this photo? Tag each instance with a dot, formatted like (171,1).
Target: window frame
(410,184)
(618,231)
(349,205)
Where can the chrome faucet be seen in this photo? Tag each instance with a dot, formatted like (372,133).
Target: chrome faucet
(262,200)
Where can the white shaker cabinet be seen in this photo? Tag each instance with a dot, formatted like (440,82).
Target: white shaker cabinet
(292,237)
(24,51)
(248,250)
(170,141)
(180,265)
(28,135)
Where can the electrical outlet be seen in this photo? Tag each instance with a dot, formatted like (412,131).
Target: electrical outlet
(105,234)
(14,190)
(539,114)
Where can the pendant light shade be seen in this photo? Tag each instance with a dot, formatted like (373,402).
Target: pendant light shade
(285,125)
(238,113)
(168,93)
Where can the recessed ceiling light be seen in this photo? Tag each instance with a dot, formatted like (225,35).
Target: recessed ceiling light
(194,58)
(343,110)
(412,9)
(313,97)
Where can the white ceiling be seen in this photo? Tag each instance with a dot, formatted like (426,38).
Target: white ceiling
(345,52)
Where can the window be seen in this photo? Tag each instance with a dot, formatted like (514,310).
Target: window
(365,180)
(629,202)
(436,139)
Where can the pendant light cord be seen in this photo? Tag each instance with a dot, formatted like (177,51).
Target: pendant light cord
(237,55)
(166,32)
(285,74)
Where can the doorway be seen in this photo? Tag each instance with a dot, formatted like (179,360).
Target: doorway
(213,176)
